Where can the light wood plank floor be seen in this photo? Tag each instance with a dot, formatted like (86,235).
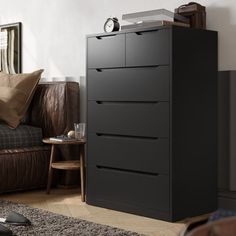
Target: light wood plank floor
(67,202)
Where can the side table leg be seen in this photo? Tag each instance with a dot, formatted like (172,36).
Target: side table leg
(50,168)
(82,172)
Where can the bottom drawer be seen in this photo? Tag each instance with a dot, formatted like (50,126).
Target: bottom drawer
(145,191)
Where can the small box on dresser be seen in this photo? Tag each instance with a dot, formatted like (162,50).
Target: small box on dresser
(152,121)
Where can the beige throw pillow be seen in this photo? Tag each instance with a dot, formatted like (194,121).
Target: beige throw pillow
(16,92)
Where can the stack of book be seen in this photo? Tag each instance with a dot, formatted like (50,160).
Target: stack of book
(153,18)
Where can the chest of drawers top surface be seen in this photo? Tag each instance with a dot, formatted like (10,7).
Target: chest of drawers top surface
(134,48)
(169,27)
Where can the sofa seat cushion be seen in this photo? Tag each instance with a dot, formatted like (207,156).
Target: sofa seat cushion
(22,136)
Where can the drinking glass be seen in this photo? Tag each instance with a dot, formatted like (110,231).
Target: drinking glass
(79,130)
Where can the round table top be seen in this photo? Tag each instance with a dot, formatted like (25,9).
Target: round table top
(59,142)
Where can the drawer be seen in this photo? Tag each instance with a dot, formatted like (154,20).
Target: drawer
(130,84)
(131,189)
(106,51)
(129,118)
(148,48)
(139,154)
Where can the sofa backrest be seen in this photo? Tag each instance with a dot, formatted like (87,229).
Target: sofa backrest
(55,107)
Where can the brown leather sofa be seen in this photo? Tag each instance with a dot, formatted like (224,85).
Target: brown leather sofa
(54,108)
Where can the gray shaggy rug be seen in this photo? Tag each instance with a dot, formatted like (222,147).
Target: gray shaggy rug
(48,223)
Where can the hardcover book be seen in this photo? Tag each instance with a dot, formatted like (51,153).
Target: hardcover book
(62,138)
(152,24)
(153,15)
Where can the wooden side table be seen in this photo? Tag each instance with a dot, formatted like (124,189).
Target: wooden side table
(66,165)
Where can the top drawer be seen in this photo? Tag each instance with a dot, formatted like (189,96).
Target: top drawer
(148,48)
(106,51)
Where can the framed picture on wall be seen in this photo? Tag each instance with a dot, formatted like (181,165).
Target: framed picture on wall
(10,48)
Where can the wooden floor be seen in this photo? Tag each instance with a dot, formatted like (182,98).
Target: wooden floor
(68,202)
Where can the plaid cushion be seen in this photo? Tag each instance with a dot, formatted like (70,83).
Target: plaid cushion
(22,136)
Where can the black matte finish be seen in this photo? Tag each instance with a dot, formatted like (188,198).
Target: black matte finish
(129,84)
(194,122)
(145,119)
(148,48)
(152,123)
(121,186)
(112,49)
(140,154)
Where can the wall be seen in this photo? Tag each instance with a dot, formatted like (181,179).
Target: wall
(54,30)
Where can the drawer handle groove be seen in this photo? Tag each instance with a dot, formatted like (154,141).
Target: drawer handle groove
(143,67)
(125,136)
(130,67)
(105,36)
(127,103)
(146,31)
(127,170)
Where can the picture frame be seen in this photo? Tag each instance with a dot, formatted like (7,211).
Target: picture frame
(10,48)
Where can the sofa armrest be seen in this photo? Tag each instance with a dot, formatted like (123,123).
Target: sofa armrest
(55,107)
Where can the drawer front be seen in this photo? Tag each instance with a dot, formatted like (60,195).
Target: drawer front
(132,189)
(133,119)
(148,48)
(139,154)
(106,51)
(130,84)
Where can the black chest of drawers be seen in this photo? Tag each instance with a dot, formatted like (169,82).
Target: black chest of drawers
(152,121)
